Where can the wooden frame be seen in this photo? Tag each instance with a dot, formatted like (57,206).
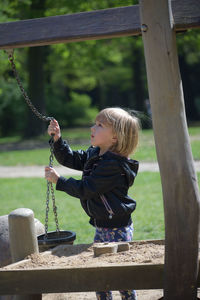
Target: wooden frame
(85,279)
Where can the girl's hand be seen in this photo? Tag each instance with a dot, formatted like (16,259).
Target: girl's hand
(51,174)
(54,129)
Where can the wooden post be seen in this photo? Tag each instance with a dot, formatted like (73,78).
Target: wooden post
(179,180)
(23,240)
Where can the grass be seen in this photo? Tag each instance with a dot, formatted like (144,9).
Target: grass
(148,217)
(38,157)
(31,193)
(145,152)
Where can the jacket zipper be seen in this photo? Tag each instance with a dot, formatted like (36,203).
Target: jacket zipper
(107,206)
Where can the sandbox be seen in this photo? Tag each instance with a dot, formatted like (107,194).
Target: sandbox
(73,268)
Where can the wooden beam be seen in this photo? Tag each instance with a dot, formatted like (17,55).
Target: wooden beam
(100,24)
(186,14)
(115,277)
(179,181)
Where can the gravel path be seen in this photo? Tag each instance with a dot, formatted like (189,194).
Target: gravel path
(38,171)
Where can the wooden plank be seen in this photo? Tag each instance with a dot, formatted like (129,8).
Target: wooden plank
(68,280)
(179,181)
(108,23)
(186,14)
(115,277)
(100,24)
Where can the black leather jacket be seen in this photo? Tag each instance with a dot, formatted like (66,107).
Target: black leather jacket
(104,184)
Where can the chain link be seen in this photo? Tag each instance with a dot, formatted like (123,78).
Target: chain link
(51,186)
(47,210)
(50,189)
(26,97)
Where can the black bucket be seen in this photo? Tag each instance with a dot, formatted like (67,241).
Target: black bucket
(55,238)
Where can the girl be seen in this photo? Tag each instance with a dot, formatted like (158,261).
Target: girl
(108,172)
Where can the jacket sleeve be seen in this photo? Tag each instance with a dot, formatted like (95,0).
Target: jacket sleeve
(104,178)
(67,157)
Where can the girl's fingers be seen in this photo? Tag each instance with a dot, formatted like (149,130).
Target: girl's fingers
(47,171)
(51,174)
(54,129)
(54,123)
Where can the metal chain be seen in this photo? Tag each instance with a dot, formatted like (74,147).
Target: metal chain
(47,210)
(26,97)
(51,185)
(50,189)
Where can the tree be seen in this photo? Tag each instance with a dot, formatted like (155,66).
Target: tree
(108,72)
(36,60)
(189,60)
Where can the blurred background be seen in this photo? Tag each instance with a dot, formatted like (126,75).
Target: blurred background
(72,82)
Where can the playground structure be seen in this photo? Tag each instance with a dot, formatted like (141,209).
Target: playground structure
(157,21)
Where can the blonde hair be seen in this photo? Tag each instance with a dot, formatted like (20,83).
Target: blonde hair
(125,126)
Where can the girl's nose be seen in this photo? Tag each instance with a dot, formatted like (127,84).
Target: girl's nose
(92,128)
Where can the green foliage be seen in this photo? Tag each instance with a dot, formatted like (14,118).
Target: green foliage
(77,107)
(189,45)
(12,109)
(75,111)
(89,75)
(189,58)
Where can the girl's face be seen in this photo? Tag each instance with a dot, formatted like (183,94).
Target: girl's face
(102,136)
